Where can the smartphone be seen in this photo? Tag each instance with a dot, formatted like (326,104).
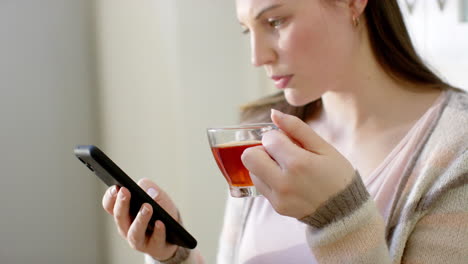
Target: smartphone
(111,174)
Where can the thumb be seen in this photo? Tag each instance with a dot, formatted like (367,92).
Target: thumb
(300,132)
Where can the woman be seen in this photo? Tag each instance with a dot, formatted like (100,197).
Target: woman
(371,156)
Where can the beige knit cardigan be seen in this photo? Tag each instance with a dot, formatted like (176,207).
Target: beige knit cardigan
(429,218)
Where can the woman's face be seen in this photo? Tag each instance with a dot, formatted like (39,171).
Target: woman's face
(306,46)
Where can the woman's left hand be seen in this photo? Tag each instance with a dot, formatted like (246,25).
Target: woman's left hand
(295,169)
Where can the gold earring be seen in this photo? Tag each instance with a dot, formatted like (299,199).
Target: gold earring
(355,21)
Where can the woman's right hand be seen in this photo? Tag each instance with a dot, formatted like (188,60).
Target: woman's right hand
(116,202)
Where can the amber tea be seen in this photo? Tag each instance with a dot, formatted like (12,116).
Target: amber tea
(227,145)
(228,158)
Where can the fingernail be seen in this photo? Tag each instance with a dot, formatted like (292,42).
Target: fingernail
(144,210)
(277,113)
(152,192)
(158,224)
(113,191)
(122,195)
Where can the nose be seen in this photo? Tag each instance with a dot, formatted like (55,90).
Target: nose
(262,53)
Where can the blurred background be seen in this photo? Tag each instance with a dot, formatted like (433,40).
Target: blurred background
(142,80)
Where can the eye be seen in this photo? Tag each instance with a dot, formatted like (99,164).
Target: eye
(245,31)
(275,22)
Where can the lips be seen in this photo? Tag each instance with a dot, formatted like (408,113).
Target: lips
(281,81)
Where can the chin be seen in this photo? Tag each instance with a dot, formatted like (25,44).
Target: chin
(297,99)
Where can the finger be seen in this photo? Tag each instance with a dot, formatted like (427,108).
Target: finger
(122,211)
(259,163)
(280,147)
(261,186)
(299,131)
(158,238)
(159,196)
(108,200)
(136,235)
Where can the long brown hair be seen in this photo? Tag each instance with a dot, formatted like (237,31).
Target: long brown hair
(392,47)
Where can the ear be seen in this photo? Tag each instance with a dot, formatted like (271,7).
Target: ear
(357,7)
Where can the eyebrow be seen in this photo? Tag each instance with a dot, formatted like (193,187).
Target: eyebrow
(267,9)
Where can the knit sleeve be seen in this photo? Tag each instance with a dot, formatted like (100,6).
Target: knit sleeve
(348,228)
(182,256)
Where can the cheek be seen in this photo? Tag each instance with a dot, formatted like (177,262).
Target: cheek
(298,43)
(318,54)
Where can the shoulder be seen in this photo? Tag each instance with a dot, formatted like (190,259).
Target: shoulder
(448,135)
(443,164)
(458,101)
(451,129)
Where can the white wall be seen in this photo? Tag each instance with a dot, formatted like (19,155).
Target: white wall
(48,202)
(440,34)
(168,70)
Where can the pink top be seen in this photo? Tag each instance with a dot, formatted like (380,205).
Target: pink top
(382,181)
(263,242)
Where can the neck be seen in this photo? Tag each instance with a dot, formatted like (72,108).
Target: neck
(371,101)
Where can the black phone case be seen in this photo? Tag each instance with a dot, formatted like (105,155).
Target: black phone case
(111,174)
